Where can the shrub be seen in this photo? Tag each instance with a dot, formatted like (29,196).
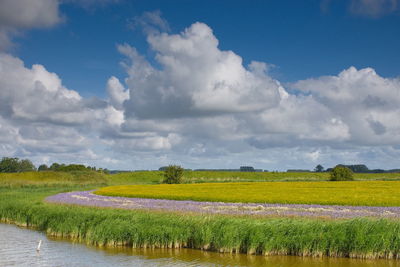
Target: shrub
(341,173)
(173,174)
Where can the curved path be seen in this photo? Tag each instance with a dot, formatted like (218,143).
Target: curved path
(87,198)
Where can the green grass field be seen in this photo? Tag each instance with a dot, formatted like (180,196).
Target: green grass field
(358,193)
(50,178)
(155,177)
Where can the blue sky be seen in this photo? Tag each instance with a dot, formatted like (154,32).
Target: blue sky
(140,84)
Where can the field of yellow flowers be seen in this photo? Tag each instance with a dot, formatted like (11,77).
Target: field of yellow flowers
(356,193)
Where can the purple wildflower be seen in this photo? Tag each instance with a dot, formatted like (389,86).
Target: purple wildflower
(87,198)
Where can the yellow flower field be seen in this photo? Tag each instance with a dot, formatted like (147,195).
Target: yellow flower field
(357,193)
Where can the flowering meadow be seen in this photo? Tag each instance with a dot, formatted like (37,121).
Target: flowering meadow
(87,198)
(355,193)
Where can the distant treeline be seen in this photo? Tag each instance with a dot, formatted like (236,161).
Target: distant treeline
(25,165)
(361,168)
(70,167)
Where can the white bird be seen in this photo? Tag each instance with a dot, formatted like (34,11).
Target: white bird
(38,247)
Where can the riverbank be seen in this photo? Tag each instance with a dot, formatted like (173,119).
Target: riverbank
(17,248)
(358,238)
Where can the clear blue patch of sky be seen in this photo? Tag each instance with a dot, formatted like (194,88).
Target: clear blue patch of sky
(300,39)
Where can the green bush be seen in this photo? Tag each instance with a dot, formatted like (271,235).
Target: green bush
(173,174)
(341,173)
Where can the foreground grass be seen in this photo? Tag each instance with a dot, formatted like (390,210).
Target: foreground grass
(365,238)
(357,193)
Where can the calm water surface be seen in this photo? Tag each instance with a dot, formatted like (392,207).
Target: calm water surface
(18,248)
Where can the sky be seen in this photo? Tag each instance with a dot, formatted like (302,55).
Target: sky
(130,85)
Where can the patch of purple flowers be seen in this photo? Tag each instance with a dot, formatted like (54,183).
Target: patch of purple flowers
(87,198)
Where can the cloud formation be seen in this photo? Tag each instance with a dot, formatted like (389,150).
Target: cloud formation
(199,106)
(26,14)
(202,101)
(195,79)
(40,117)
(366,102)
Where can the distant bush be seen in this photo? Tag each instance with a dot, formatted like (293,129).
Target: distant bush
(341,173)
(73,167)
(173,174)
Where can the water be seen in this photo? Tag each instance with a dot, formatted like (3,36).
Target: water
(18,248)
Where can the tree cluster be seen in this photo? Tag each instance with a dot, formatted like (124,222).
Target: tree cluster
(25,165)
(69,168)
(16,165)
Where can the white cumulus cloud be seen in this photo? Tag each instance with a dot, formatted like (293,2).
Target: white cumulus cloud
(196,78)
(366,102)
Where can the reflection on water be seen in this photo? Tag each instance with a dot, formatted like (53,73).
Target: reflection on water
(18,248)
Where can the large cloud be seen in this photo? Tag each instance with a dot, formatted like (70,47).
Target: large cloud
(37,95)
(366,102)
(196,78)
(202,95)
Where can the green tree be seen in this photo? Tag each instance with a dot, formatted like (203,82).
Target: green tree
(319,168)
(43,167)
(26,165)
(173,174)
(55,166)
(9,164)
(341,173)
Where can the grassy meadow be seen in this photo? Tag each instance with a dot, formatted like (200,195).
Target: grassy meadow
(50,178)
(357,193)
(21,203)
(155,177)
